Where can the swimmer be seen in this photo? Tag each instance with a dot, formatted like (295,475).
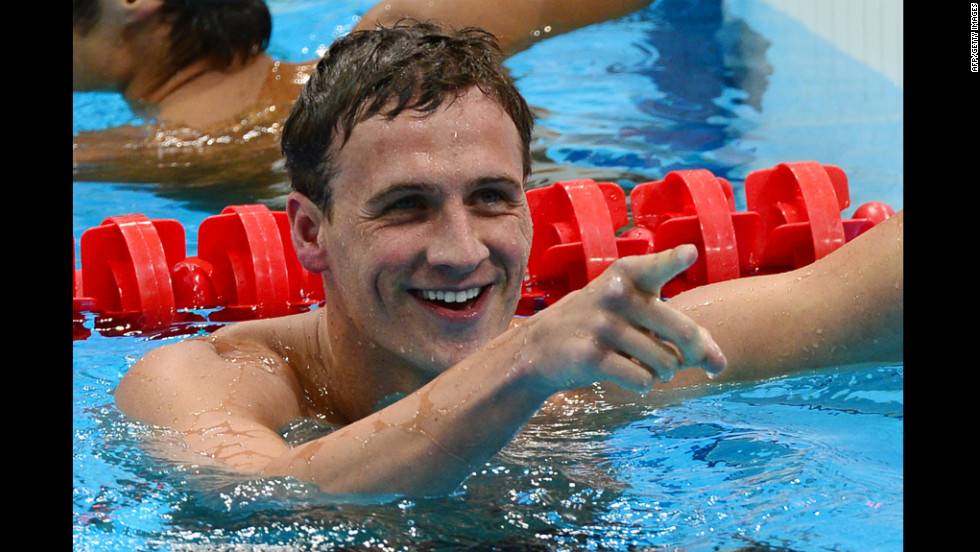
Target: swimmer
(409,151)
(215,100)
(198,70)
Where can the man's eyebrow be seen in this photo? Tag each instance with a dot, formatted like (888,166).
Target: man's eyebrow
(411,187)
(401,189)
(495,180)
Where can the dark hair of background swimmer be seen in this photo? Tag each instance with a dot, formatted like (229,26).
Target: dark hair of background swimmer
(224,30)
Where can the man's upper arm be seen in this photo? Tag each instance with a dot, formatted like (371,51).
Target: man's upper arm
(228,405)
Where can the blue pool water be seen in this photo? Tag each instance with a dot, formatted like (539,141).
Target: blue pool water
(810,463)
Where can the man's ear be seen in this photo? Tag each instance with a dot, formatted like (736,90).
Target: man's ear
(305,220)
(138,10)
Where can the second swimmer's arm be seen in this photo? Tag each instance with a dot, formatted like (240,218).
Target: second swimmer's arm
(517,24)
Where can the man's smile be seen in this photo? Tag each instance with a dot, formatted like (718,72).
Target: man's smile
(461,300)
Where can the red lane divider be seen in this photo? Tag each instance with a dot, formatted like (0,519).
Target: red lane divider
(800,205)
(695,207)
(793,218)
(136,269)
(575,226)
(125,267)
(246,264)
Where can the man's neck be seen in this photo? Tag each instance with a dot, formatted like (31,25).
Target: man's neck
(200,95)
(352,378)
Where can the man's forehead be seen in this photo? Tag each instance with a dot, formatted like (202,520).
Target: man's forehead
(471,103)
(469,120)
(462,148)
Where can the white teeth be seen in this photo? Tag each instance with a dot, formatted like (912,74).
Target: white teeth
(449,296)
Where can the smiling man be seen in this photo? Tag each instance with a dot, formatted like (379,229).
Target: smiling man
(408,152)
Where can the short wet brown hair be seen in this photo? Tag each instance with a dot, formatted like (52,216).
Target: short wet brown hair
(410,66)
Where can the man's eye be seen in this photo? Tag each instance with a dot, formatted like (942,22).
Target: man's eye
(490,197)
(405,203)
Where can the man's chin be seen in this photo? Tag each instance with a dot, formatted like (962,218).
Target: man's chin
(439,355)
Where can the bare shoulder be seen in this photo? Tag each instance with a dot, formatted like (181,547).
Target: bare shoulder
(240,370)
(284,83)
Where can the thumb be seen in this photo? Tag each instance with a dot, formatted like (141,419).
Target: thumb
(659,268)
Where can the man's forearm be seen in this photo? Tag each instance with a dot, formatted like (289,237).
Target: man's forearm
(846,308)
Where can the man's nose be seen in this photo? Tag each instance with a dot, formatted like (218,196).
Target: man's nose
(456,242)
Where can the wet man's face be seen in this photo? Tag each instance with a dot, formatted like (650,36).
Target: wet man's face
(430,231)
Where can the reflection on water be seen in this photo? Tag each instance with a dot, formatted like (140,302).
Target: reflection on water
(707,68)
(682,91)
